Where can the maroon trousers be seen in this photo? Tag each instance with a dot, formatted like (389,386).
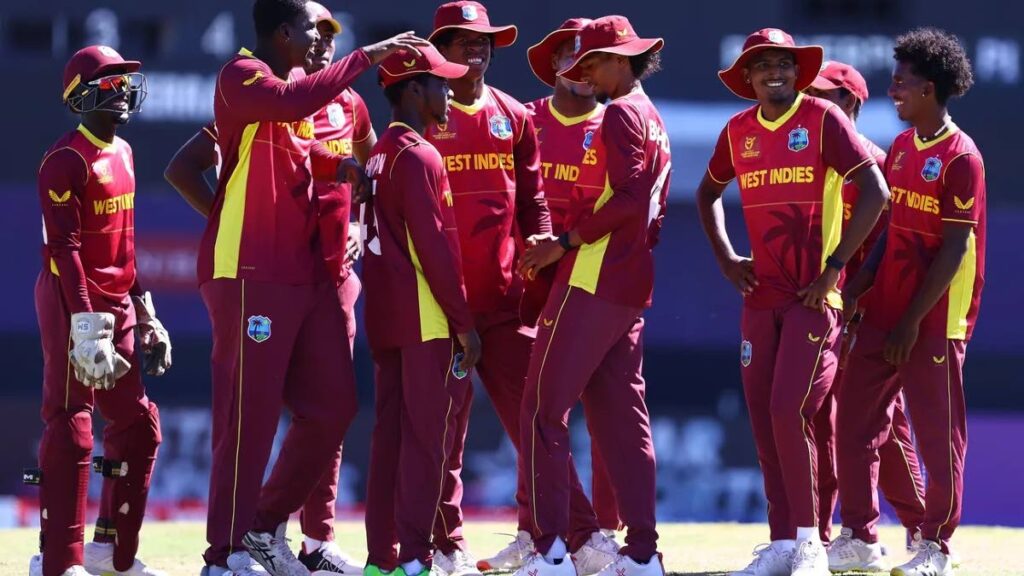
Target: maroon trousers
(274,345)
(589,347)
(933,383)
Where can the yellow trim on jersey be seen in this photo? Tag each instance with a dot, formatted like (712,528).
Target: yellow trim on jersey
(961,292)
(572,120)
(92,138)
(433,322)
(710,175)
(922,145)
(831,225)
(473,108)
(53,267)
(774,125)
(586,270)
(232,213)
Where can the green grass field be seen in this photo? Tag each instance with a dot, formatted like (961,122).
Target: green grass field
(689,549)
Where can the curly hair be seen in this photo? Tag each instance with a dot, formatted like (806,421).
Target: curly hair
(937,56)
(646,64)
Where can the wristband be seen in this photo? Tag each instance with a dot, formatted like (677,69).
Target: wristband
(563,241)
(833,262)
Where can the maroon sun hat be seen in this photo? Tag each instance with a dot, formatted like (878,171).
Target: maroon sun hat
(808,58)
(405,63)
(539,55)
(611,34)
(469,15)
(94,62)
(835,75)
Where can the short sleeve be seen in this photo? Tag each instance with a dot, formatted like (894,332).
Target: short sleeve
(361,125)
(963,189)
(720,167)
(841,148)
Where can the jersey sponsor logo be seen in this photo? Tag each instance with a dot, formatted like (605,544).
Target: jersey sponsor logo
(250,81)
(938,359)
(102,170)
(548,322)
(812,338)
(109,206)
(501,127)
(798,139)
(62,198)
(751,148)
(259,328)
(960,204)
(746,353)
(774,176)
(588,139)
(335,114)
(931,170)
(469,13)
(915,200)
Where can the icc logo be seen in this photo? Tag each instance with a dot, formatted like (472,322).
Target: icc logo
(259,328)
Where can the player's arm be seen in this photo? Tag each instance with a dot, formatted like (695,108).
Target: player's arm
(61,185)
(532,213)
(330,167)
(185,171)
(363,136)
(961,205)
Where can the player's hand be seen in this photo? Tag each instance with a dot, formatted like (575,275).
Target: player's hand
(900,342)
(352,245)
(538,238)
(381,50)
(740,271)
(155,341)
(543,254)
(93,358)
(849,334)
(471,350)
(350,171)
(815,295)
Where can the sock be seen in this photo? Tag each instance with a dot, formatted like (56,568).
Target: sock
(810,533)
(310,545)
(784,545)
(607,532)
(103,544)
(413,567)
(557,551)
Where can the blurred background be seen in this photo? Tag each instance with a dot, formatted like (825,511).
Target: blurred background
(707,463)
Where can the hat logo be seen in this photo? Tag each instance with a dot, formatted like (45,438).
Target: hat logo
(576,45)
(469,13)
(798,139)
(776,37)
(108,52)
(622,33)
(409,64)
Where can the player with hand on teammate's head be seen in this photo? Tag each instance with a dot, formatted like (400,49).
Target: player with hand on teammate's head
(790,155)
(88,296)
(925,275)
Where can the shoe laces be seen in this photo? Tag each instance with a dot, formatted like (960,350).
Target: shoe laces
(520,544)
(603,544)
(759,554)
(333,554)
(806,552)
(926,556)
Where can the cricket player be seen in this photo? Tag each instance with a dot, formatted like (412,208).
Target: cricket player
(279,335)
(790,154)
(490,154)
(343,126)
(926,276)
(590,334)
(418,321)
(89,302)
(900,476)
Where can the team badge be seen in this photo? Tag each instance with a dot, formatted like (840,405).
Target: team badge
(588,139)
(746,353)
(259,328)
(335,114)
(108,52)
(501,127)
(776,37)
(576,45)
(469,13)
(932,169)
(798,139)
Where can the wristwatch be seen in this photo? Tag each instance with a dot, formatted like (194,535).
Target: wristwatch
(833,262)
(563,241)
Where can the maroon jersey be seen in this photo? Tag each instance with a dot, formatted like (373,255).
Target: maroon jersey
(790,174)
(931,183)
(263,224)
(87,195)
(850,194)
(411,268)
(565,145)
(491,157)
(618,204)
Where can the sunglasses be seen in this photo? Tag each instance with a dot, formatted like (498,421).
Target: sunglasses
(118,82)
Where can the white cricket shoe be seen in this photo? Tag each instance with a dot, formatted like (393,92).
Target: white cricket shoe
(536,565)
(626,566)
(35,568)
(595,554)
(510,557)
(810,559)
(775,559)
(847,553)
(915,541)
(239,564)
(273,553)
(330,559)
(98,559)
(929,561)
(458,563)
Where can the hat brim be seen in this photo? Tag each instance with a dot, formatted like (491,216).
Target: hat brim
(504,36)
(634,47)
(539,55)
(447,70)
(808,59)
(335,25)
(822,83)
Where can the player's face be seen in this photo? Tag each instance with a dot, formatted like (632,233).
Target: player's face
(562,59)
(437,96)
(908,91)
(603,72)
(470,48)
(772,74)
(322,52)
(300,36)
(113,99)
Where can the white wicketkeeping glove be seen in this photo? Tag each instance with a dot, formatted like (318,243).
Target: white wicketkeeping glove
(156,342)
(93,357)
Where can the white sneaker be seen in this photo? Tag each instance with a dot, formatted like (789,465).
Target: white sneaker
(239,564)
(810,559)
(775,559)
(272,552)
(35,565)
(626,566)
(929,561)
(458,563)
(915,541)
(848,553)
(330,559)
(595,554)
(98,559)
(535,565)
(510,557)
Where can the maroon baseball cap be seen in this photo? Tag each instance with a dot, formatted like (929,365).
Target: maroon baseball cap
(835,75)
(94,62)
(469,15)
(611,34)
(808,58)
(539,55)
(324,15)
(405,63)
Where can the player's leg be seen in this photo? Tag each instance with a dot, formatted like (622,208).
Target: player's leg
(385,444)
(602,493)
(67,442)
(254,329)
(349,292)
(825,441)
(448,535)
(899,471)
